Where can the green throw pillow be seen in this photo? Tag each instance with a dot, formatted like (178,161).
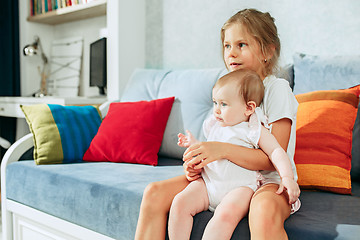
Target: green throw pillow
(62,134)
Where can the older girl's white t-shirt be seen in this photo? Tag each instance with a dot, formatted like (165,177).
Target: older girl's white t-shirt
(279,102)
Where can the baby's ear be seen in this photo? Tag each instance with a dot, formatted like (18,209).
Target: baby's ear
(250,108)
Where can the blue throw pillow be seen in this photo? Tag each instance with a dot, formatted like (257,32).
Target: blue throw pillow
(61,134)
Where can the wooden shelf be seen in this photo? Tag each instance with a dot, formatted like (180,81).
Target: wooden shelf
(72,13)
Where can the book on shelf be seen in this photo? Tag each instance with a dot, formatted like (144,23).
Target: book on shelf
(43,6)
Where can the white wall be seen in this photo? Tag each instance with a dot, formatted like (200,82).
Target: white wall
(190,31)
(126,45)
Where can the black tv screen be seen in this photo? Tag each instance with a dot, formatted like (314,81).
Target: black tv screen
(98,65)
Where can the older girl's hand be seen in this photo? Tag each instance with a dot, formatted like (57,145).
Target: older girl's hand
(191,173)
(200,154)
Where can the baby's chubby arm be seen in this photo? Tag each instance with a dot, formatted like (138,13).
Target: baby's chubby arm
(186,141)
(281,162)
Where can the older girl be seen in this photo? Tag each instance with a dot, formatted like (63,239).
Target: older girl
(250,41)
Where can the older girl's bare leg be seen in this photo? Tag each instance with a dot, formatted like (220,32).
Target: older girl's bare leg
(155,207)
(267,214)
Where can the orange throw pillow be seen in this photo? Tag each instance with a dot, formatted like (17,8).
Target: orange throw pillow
(324,125)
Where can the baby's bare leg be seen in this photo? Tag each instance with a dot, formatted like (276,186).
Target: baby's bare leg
(227,215)
(192,200)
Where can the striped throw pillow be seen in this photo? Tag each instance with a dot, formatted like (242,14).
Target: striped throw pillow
(61,134)
(324,125)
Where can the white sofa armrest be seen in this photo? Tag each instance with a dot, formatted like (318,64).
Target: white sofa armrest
(13,154)
(16,150)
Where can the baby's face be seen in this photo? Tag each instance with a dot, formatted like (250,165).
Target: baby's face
(229,107)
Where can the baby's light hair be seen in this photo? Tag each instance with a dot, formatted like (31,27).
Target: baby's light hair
(261,26)
(249,84)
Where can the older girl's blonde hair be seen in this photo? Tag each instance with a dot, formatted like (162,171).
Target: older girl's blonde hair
(261,26)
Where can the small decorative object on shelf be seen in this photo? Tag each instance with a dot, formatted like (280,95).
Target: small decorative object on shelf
(61,11)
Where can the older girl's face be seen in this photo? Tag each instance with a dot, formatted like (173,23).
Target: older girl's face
(241,51)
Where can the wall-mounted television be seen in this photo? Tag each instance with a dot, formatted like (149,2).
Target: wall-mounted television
(98,65)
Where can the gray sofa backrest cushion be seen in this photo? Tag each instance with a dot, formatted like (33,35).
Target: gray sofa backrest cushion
(192,90)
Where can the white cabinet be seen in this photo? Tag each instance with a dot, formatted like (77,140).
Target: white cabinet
(31,224)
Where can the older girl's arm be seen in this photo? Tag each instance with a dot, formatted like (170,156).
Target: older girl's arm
(202,153)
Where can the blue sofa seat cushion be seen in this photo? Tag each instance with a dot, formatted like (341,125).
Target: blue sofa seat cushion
(80,193)
(104,197)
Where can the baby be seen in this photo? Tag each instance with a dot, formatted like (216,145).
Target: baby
(224,186)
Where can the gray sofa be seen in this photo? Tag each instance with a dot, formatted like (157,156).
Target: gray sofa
(101,200)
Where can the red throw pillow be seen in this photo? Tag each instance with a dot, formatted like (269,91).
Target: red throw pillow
(131,132)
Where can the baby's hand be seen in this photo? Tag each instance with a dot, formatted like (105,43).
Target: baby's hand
(291,187)
(186,140)
(183,140)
